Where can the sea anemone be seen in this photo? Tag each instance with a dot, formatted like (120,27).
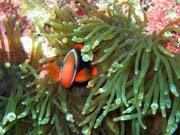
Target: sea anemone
(138,77)
(10,45)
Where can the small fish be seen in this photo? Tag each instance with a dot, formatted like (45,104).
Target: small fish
(73,69)
(69,68)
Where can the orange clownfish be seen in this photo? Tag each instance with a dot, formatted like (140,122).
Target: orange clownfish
(73,69)
(51,71)
(69,68)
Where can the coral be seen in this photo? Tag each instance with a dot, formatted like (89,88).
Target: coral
(137,77)
(159,14)
(9,8)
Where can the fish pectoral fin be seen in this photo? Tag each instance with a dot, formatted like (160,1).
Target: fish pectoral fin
(83,75)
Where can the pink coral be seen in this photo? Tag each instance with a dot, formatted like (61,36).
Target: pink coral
(159,14)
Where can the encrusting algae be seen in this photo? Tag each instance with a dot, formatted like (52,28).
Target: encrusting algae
(136,77)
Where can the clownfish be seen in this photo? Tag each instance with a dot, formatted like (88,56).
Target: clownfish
(51,71)
(69,68)
(72,69)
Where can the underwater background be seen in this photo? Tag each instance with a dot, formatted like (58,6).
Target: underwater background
(89,67)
